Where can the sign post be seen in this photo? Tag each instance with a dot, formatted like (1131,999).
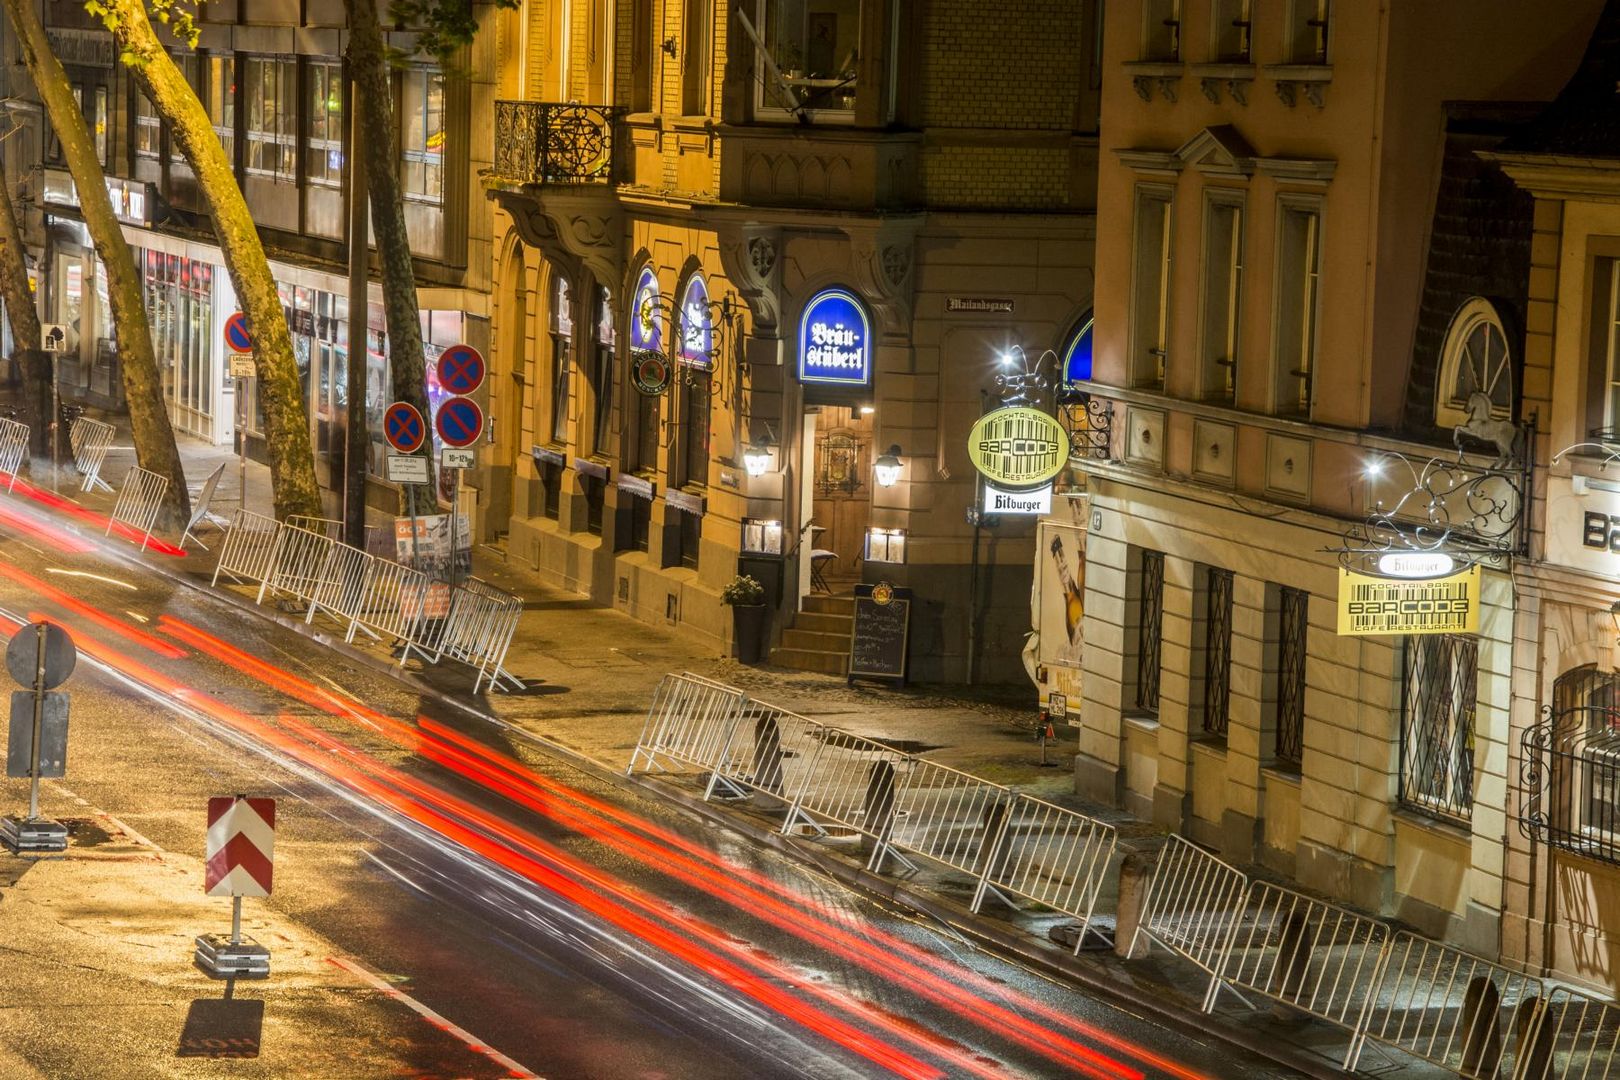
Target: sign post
(241,860)
(53,337)
(41,656)
(459,422)
(240,344)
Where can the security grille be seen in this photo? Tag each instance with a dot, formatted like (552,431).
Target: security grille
(1437,724)
(1148,632)
(1570,773)
(1217,650)
(1294,618)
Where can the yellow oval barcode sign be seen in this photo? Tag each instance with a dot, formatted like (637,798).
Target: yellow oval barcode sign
(1018,447)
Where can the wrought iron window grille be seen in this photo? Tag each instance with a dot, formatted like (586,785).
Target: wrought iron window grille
(1089,420)
(1217,652)
(1292,629)
(1569,768)
(1149,632)
(1439,697)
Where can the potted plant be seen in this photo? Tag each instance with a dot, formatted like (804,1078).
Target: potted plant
(746,597)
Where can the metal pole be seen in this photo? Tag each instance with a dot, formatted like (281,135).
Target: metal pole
(354,459)
(241,442)
(236,920)
(56,420)
(455,516)
(39,716)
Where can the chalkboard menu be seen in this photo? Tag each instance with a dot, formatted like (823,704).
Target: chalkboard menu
(882,625)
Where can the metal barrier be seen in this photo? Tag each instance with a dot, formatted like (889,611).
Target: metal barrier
(1193,902)
(943,814)
(297,564)
(250,543)
(90,440)
(496,642)
(139,501)
(769,752)
(200,511)
(1050,855)
(341,590)
(330,528)
(13,450)
(392,602)
(1317,957)
(1578,1038)
(1451,1008)
(850,782)
(691,722)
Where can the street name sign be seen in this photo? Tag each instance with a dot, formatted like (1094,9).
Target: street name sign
(241,846)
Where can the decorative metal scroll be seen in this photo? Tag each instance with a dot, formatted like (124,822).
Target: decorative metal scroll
(1569,768)
(1089,420)
(1026,386)
(538,142)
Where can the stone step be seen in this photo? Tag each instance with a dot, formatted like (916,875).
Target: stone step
(797,638)
(827,663)
(818,623)
(821,604)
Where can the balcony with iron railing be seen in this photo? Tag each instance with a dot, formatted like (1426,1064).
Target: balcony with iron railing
(543,142)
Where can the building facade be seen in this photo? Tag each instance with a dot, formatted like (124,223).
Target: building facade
(824,223)
(1287,329)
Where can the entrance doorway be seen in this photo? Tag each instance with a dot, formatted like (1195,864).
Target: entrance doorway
(837,497)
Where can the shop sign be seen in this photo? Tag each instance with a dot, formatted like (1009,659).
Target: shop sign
(835,340)
(1378,605)
(697,332)
(1018,447)
(1034,501)
(649,371)
(1416,564)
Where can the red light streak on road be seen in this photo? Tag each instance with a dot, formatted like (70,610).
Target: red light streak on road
(94,614)
(46,534)
(67,506)
(719,879)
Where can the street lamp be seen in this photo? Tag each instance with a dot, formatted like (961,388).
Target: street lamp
(888,467)
(757,457)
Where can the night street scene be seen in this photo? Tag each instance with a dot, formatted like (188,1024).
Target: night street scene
(853,538)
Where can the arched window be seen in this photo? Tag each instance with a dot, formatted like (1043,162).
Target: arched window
(646,332)
(562,336)
(1076,352)
(1475,361)
(602,371)
(1572,766)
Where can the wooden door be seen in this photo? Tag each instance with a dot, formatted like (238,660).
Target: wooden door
(843,491)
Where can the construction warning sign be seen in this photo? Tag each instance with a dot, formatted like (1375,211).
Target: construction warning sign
(1380,605)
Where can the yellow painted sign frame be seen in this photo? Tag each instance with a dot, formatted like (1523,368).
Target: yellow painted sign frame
(1018,447)
(1372,605)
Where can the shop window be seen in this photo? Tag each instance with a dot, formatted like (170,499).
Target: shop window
(1161,31)
(602,376)
(1231,31)
(1293,624)
(422,135)
(1476,368)
(812,48)
(1217,651)
(1222,297)
(635,524)
(1570,782)
(684,533)
(551,490)
(148,127)
(1150,288)
(696,402)
(323,149)
(220,97)
(1308,31)
(695,60)
(272,117)
(1149,631)
(1299,266)
(595,490)
(1439,697)
(562,339)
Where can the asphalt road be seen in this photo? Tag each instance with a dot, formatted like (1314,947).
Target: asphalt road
(577,927)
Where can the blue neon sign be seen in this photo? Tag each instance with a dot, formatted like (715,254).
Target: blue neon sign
(697,333)
(645,331)
(1076,353)
(835,340)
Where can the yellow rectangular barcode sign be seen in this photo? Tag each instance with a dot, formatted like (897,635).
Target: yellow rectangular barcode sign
(1379,605)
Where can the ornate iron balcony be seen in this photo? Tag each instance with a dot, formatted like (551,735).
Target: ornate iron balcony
(541,142)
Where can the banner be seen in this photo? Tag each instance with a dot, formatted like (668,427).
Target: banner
(1379,605)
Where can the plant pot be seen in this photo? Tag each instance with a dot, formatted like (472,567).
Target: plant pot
(749,626)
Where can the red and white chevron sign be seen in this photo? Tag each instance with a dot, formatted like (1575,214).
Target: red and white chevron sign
(241,846)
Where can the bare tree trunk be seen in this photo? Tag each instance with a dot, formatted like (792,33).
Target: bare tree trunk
(35,365)
(368,62)
(292,461)
(143,391)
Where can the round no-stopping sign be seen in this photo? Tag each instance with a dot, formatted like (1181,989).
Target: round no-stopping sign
(460,421)
(237,338)
(403,427)
(23,655)
(461,369)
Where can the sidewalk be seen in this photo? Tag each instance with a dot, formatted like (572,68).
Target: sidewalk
(591,673)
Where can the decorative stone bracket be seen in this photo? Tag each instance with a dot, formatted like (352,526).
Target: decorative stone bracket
(883,256)
(751,255)
(578,232)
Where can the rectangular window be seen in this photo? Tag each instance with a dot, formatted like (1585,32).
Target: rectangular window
(422,135)
(1308,31)
(813,46)
(695,59)
(1606,344)
(559,387)
(190,65)
(1439,693)
(647,430)
(323,148)
(602,385)
(148,128)
(220,97)
(272,115)
(1222,298)
(595,490)
(1217,651)
(1292,630)
(695,406)
(1299,266)
(1150,289)
(551,490)
(99,125)
(1149,638)
(1231,30)
(1161,31)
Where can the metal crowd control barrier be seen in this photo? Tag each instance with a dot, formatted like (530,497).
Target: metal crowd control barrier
(769,751)
(1578,1039)
(690,723)
(340,589)
(392,602)
(1317,957)
(13,450)
(1049,855)
(327,527)
(90,439)
(496,639)
(200,511)
(1450,1008)
(139,501)
(250,543)
(943,814)
(297,564)
(1192,903)
(850,782)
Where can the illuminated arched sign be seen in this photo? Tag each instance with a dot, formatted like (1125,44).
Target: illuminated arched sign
(1076,353)
(1018,447)
(835,340)
(646,333)
(697,333)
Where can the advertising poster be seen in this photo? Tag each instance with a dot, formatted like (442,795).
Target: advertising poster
(1060,587)
(430,550)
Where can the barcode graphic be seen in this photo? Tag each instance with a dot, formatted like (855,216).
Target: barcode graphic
(1020,445)
(1398,607)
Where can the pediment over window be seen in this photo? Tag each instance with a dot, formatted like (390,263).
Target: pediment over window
(1219,150)
(1223,151)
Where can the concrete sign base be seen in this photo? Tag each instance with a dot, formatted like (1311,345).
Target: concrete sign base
(220,958)
(24,835)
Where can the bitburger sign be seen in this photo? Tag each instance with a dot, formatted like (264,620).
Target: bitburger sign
(1018,447)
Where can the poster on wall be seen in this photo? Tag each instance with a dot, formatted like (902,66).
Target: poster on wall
(429,550)
(1371,605)
(1060,588)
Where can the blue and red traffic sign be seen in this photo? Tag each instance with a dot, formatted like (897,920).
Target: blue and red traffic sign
(461,369)
(403,427)
(237,338)
(460,421)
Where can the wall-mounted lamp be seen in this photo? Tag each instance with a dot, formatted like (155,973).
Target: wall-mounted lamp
(669,47)
(888,467)
(868,410)
(757,457)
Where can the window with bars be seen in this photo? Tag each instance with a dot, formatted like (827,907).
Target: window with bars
(1217,651)
(1293,621)
(1439,698)
(1570,777)
(1149,632)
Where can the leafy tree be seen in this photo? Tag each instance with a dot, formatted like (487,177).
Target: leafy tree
(19,298)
